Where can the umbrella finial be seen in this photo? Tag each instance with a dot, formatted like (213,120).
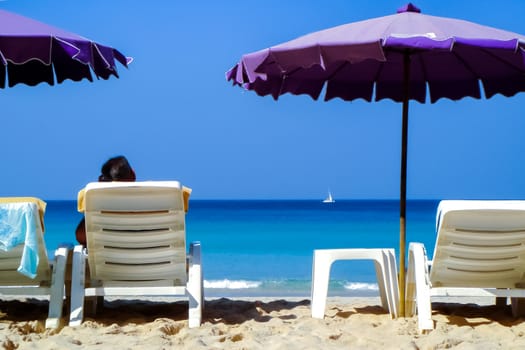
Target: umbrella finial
(410,7)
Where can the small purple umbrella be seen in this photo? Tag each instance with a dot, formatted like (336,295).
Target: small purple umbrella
(33,52)
(399,57)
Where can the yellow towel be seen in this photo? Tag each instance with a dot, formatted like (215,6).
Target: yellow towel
(40,203)
(186,192)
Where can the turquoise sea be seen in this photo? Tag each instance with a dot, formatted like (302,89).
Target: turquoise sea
(264,247)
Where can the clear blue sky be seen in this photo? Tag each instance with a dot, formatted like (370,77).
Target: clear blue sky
(175,117)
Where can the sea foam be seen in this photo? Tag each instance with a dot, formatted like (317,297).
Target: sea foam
(231,284)
(361,286)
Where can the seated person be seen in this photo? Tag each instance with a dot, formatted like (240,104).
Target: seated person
(118,169)
(115,169)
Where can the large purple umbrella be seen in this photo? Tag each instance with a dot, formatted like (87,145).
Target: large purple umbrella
(33,52)
(399,57)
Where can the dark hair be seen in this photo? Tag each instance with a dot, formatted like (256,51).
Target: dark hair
(117,169)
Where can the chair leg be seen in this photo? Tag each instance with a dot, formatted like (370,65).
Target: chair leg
(56,299)
(518,307)
(419,274)
(76,314)
(386,274)
(194,287)
(410,289)
(391,281)
(382,282)
(320,278)
(93,304)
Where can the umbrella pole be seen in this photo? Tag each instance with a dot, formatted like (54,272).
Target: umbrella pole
(403,187)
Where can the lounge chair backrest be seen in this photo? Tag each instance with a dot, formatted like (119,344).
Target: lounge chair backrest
(24,255)
(480,244)
(136,232)
(10,260)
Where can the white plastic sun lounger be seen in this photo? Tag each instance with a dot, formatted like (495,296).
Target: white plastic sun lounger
(479,251)
(37,275)
(136,246)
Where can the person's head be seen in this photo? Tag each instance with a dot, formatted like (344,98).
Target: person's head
(117,169)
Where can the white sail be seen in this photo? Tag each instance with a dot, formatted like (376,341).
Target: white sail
(329,199)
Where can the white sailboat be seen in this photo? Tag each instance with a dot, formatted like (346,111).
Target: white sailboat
(329,199)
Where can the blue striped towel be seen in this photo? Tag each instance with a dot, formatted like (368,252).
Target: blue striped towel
(18,224)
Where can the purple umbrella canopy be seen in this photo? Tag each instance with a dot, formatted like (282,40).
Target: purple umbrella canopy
(32,52)
(449,56)
(399,57)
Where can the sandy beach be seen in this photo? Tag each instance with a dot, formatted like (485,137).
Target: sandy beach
(264,323)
